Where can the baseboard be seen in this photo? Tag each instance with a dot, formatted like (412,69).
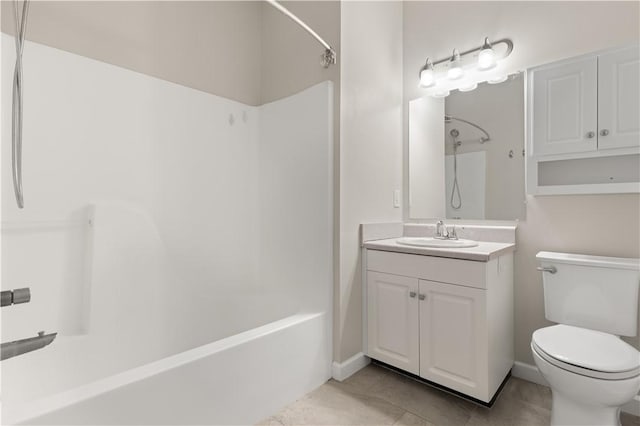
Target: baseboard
(528,372)
(342,371)
(531,373)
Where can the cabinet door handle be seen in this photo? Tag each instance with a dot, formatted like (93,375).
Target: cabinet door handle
(591,135)
(604,132)
(422,297)
(412,294)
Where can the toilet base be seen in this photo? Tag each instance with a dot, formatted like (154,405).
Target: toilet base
(567,411)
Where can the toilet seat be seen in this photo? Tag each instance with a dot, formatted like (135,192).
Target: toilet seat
(587,352)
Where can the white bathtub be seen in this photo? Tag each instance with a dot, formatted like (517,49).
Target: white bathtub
(237,380)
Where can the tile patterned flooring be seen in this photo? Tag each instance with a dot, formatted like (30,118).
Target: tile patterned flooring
(377,396)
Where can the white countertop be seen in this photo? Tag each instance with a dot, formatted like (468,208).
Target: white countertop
(483,252)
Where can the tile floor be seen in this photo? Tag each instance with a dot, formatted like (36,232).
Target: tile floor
(377,396)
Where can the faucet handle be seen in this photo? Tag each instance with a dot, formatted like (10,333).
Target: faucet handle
(441,230)
(452,233)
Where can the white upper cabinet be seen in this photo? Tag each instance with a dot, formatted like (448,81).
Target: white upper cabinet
(619,99)
(565,112)
(583,124)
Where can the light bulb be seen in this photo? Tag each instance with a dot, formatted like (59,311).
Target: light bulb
(441,94)
(468,86)
(487,56)
(455,71)
(427,75)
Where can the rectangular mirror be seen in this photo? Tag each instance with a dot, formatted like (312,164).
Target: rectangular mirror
(466,154)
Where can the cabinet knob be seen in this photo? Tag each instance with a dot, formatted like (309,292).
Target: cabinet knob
(604,132)
(422,297)
(591,135)
(412,294)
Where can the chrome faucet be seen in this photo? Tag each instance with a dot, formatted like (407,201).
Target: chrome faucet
(441,230)
(443,233)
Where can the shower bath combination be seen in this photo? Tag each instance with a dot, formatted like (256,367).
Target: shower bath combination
(455,201)
(141,218)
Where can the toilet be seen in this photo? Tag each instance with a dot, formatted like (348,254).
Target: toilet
(591,371)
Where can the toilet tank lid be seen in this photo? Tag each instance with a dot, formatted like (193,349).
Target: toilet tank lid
(586,260)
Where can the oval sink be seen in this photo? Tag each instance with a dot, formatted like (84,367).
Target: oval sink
(435,242)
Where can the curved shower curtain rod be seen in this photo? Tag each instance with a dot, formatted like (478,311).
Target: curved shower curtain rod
(329,56)
(483,139)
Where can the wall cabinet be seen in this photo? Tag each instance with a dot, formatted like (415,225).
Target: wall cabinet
(587,104)
(565,109)
(619,99)
(583,124)
(449,321)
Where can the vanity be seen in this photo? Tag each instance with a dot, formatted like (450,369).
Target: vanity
(443,314)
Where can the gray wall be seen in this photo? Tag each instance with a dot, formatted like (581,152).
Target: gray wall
(542,32)
(211,46)
(241,50)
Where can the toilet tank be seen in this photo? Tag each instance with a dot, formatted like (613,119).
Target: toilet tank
(594,292)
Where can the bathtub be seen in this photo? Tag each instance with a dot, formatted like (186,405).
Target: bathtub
(240,379)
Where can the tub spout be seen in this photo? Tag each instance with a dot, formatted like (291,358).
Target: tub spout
(22,346)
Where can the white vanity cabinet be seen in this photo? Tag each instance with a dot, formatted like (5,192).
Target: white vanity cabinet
(450,321)
(393,320)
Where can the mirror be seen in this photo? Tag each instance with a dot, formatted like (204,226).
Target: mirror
(466,154)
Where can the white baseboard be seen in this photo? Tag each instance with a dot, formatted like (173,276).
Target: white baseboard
(531,373)
(342,371)
(528,372)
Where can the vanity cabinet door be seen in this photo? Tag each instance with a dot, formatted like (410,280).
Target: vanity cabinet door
(453,337)
(618,99)
(564,111)
(392,312)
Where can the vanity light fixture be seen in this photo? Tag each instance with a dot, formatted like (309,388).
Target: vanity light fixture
(487,56)
(465,70)
(455,70)
(427,75)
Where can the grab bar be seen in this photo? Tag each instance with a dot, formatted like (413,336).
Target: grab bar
(14,297)
(23,346)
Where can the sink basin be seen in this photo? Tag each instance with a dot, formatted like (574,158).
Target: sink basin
(435,242)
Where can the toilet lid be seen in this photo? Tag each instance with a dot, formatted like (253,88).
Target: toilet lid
(590,349)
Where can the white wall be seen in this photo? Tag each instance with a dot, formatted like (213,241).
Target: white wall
(371,146)
(541,32)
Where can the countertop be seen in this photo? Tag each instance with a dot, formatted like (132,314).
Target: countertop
(483,252)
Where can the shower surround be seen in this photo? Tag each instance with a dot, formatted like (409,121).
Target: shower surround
(164,228)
